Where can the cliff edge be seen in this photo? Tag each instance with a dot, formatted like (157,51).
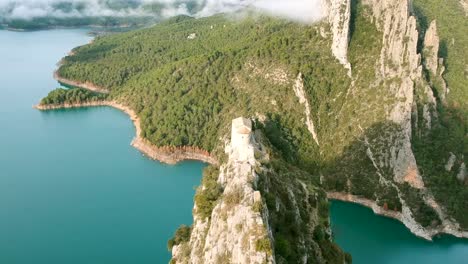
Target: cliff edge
(258,214)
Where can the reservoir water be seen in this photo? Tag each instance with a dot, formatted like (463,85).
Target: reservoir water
(73,190)
(375,239)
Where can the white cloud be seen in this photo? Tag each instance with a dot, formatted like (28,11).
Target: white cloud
(299,10)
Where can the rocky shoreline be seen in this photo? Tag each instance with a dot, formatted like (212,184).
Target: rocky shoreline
(85,85)
(162,154)
(415,228)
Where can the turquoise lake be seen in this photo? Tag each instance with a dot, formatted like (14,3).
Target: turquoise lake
(73,190)
(375,239)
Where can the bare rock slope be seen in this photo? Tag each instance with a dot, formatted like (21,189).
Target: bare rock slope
(242,227)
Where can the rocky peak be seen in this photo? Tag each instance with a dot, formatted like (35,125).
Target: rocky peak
(432,62)
(236,231)
(400,37)
(400,65)
(431,48)
(338,13)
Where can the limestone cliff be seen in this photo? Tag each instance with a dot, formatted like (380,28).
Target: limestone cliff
(400,65)
(432,63)
(253,217)
(338,13)
(399,58)
(399,74)
(301,95)
(235,229)
(431,48)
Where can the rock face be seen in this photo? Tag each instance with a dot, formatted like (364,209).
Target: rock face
(450,162)
(432,63)
(431,48)
(338,13)
(399,60)
(399,70)
(235,229)
(399,54)
(301,95)
(241,227)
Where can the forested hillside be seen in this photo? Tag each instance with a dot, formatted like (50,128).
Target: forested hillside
(201,84)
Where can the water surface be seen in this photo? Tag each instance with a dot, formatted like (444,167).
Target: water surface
(72,189)
(373,239)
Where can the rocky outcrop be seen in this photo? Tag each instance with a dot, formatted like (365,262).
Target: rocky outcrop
(461,176)
(445,90)
(429,107)
(450,162)
(398,59)
(257,203)
(301,95)
(432,63)
(464,5)
(338,13)
(236,231)
(431,48)
(400,65)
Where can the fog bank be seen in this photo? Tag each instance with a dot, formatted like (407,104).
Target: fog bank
(298,10)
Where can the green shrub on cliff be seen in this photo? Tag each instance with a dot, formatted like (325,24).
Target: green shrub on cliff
(181,235)
(208,193)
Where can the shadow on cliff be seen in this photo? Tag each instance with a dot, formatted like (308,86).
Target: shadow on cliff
(354,14)
(353,171)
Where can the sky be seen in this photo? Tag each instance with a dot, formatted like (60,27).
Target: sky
(298,10)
